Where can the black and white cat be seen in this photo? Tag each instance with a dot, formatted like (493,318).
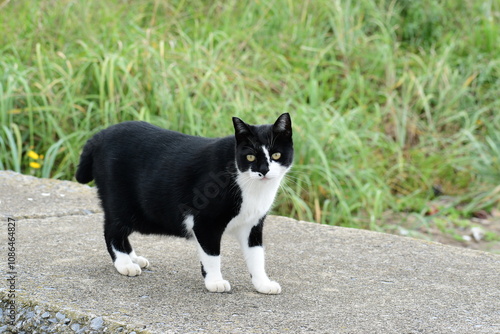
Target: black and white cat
(157,181)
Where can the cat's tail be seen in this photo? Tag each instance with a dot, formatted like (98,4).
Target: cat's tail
(84,172)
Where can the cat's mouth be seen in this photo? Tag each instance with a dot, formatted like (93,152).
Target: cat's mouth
(261,177)
(268,178)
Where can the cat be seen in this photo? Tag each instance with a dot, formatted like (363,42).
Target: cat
(156,181)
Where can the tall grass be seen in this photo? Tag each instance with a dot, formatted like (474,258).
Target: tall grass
(388,98)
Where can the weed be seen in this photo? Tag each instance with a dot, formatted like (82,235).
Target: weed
(389,99)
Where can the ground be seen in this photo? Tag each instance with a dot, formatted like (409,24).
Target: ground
(481,232)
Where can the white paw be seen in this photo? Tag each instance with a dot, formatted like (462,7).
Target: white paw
(218,286)
(141,261)
(128,269)
(268,287)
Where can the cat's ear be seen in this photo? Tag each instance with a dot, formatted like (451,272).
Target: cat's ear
(283,125)
(241,129)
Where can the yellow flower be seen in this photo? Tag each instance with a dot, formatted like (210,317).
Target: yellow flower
(33,155)
(35,165)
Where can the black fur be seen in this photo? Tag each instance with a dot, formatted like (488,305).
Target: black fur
(149,179)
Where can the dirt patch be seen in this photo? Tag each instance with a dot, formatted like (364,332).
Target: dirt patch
(474,233)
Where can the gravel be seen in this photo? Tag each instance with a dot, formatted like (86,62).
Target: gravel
(97,323)
(38,319)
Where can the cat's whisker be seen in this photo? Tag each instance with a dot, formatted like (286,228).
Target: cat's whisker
(286,188)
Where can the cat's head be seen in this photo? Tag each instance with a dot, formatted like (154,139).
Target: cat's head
(264,152)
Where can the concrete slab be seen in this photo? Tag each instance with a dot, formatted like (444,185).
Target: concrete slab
(23,196)
(334,280)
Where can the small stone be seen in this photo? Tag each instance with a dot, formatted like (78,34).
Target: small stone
(46,315)
(20,313)
(97,323)
(403,231)
(75,327)
(477,233)
(60,316)
(82,330)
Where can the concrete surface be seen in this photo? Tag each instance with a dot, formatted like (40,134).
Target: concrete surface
(334,280)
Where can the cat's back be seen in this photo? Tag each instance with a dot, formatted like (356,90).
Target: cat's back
(140,145)
(132,136)
(142,132)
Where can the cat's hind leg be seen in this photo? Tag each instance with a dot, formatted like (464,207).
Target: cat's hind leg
(124,264)
(124,257)
(140,260)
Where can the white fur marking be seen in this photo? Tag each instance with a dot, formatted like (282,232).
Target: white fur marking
(256,265)
(266,153)
(257,198)
(255,260)
(212,266)
(189,224)
(124,264)
(141,261)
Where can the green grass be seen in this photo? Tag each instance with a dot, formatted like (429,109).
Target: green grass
(388,98)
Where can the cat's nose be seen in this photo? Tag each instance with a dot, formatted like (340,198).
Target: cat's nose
(263,171)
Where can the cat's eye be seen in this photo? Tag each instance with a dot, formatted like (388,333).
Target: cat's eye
(251,157)
(276,156)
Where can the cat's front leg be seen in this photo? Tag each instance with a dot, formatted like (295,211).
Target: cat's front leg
(253,251)
(211,265)
(211,271)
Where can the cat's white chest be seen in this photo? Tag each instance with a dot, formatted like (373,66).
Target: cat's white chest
(257,199)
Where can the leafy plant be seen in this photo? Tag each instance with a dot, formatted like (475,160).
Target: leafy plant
(389,99)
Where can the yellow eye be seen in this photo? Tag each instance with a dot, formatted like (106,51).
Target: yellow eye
(251,157)
(276,156)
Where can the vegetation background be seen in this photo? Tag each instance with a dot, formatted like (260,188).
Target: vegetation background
(395,104)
